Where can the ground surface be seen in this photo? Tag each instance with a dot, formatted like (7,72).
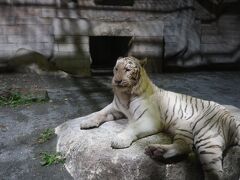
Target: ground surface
(74,97)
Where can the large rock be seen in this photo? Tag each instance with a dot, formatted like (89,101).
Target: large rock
(90,156)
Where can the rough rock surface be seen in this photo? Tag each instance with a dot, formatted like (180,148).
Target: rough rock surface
(171,33)
(89,155)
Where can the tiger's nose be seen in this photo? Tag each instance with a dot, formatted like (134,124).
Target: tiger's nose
(118,81)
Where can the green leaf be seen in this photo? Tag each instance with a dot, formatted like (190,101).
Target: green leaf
(48,159)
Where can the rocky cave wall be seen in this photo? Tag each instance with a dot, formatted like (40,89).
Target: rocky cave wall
(175,33)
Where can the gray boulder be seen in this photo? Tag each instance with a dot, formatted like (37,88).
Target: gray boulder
(89,155)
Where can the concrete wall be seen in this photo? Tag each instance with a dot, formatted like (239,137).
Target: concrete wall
(206,34)
(219,31)
(170,33)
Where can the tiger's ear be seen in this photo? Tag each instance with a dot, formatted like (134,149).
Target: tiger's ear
(119,58)
(143,62)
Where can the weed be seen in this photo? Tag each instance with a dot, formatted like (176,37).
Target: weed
(48,159)
(46,135)
(15,99)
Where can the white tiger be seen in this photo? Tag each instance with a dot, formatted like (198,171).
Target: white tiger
(206,126)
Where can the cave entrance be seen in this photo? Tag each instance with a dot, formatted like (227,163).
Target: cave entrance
(105,50)
(114,2)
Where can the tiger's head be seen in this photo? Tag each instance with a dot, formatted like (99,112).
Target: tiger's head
(127,72)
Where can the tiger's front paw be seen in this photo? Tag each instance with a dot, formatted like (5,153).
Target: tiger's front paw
(89,123)
(121,142)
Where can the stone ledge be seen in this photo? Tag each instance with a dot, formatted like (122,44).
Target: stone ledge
(89,156)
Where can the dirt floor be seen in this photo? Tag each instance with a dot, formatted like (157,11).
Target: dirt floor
(73,97)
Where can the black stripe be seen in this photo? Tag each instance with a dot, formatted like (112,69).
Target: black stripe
(185,109)
(136,109)
(170,119)
(184,130)
(213,161)
(142,113)
(167,109)
(213,147)
(184,135)
(173,110)
(191,99)
(235,134)
(217,121)
(180,109)
(179,139)
(133,99)
(191,115)
(175,102)
(166,118)
(133,78)
(206,152)
(192,109)
(208,104)
(208,130)
(204,115)
(210,119)
(229,127)
(117,102)
(201,145)
(232,137)
(205,125)
(169,124)
(196,102)
(207,138)
(223,130)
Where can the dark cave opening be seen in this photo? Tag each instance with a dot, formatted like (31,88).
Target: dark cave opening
(114,2)
(105,50)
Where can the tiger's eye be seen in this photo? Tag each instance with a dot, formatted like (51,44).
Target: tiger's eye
(127,69)
(116,69)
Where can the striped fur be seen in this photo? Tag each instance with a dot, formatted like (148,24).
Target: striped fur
(206,126)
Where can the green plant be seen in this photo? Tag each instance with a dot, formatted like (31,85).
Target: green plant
(46,135)
(15,98)
(48,159)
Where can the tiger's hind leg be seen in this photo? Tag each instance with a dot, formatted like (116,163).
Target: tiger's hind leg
(210,154)
(181,145)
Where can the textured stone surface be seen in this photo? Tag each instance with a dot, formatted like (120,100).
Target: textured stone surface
(89,155)
(192,33)
(68,61)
